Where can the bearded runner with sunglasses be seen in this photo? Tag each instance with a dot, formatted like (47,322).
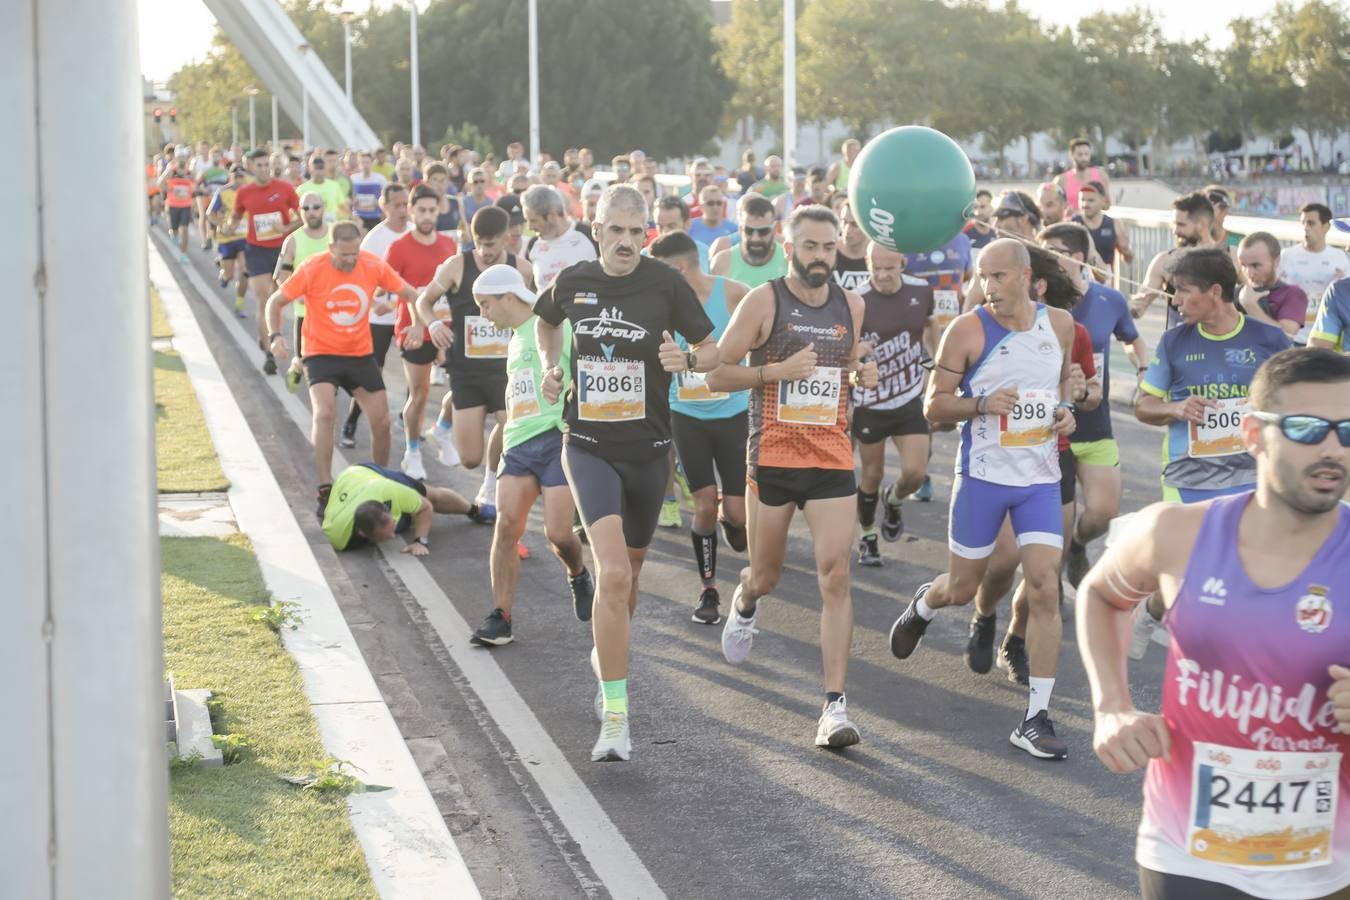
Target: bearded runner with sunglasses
(1247,786)
(758,257)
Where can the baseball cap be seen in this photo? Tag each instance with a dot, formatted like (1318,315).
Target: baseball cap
(1009,204)
(593,186)
(502,279)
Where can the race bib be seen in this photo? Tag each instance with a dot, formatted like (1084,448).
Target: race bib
(267,226)
(692,387)
(611,390)
(1220,434)
(813,400)
(366,202)
(483,340)
(1265,811)
(181,192)
(947,306)
(1031,422)
(1099,363)
(521,399)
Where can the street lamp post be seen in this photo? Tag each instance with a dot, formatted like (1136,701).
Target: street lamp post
(412,64)
(533,18)
(252,119)
(276,135)
(234,124)
(347,15)
(304,97)
(789,83)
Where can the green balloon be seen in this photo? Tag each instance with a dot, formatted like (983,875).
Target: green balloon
(912,189)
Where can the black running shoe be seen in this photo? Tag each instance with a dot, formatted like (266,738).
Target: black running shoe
(494,632)
(348,438)
(1012,656)
(1037,736)
(735,535)
(709,610)
(980,645)
(583,594)
(1077,563)
(269,365)
(892,522)
(868,554)
(909,628)
(324,491)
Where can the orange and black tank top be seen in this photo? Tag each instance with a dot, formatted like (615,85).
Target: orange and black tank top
(804,424)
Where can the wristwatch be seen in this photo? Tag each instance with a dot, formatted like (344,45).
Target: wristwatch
(423,542)
(690,360)
(273,336)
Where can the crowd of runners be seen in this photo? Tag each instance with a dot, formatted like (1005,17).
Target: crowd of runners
(611,346)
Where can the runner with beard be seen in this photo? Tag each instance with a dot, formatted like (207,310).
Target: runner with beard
(850,265)
(758,258)
(801,332)
(1192,224)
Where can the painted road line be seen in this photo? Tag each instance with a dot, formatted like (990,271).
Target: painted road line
(407,846)
(615,862)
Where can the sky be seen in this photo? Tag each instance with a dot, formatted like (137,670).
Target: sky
(175,32)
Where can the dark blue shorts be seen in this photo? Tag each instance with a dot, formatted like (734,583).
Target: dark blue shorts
(231,249)
(539,458)
(260,260)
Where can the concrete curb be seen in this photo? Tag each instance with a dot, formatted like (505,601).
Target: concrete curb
(408,848)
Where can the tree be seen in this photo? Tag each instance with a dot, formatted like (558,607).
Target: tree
(750,54)
(1311,51)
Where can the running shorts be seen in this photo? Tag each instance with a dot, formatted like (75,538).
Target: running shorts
(260,260)
(1105,452)
(779,486)
(1188,495)
(979,507)
(539,458)
(489,391)
(873,425)
(707,443)
(347,372)
(231,249)
(632,490)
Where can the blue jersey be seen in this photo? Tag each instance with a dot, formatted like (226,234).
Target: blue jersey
(1104,313)
(702,233)
(952,259)
(1188,361)
(1333,314)
(689,393)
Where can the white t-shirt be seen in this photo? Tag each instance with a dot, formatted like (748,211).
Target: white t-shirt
(377,241)
(551,257)
(1312,272)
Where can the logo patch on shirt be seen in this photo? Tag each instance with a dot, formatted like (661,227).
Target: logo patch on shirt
(1213,592)
(1313,612)
(1240,356)
(586,299)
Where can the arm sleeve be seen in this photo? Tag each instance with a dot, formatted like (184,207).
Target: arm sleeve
(1158,379)
(687,313)
(546,306)
(390,280)
(1329,325)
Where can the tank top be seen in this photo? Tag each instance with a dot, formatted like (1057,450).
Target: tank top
(803,424)
(1018,448)
(1072,185)
(894,325)
(754,276)
(180,190)
(447,223)
(689,393)
(480,348)
(841,180)
(1103,237)
(1251,796)
(472,206)
(305,247)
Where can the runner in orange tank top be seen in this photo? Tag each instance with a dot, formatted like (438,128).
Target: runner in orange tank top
(801,333)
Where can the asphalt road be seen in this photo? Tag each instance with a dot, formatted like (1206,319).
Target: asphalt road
(726,794)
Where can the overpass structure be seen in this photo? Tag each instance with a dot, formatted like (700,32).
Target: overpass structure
(278,52)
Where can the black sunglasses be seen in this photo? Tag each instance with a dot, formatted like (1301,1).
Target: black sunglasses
(757,232)
(1311,430)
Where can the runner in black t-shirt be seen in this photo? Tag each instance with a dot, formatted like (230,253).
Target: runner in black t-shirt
(624,310)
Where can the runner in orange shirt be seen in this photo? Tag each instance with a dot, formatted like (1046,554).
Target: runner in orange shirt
(338,351)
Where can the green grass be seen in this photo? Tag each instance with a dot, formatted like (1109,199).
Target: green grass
(186,458)
(159,323)
(240,831)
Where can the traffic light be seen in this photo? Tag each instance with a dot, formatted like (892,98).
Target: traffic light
(159,114)
(173,114)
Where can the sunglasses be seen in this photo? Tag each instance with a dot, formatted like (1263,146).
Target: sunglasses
(1311,430)
(713,203)
(757,232)
(477,181)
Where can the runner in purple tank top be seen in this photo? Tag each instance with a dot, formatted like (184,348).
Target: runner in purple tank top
(1247,791)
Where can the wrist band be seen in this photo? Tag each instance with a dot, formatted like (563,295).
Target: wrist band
(761,374)
(982,404)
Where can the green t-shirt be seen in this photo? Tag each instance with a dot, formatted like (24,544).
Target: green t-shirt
(528,414)
(332,193)
(355,486)
(770,188)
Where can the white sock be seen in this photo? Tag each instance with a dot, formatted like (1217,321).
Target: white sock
(488,492)
(925,611)
(1038,700)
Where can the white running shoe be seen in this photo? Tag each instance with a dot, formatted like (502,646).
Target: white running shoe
(1141,631)
(613,744)
(835,730)
(599,689)
(738,634)
(412,463)
(438,376)
(447,454)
